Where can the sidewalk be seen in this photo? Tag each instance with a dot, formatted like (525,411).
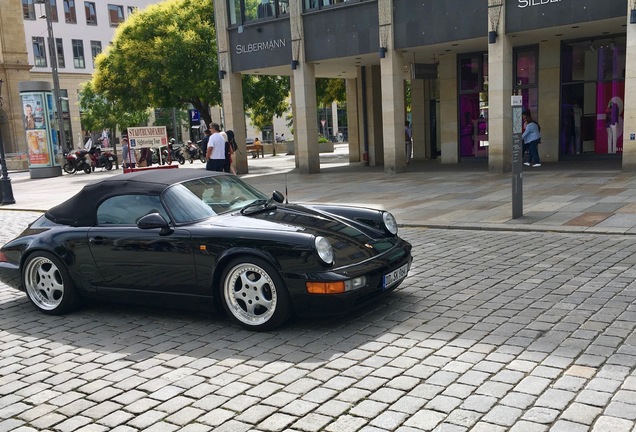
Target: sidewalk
(582,196)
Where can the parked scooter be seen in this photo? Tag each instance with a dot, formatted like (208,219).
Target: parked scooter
(76,161)
(101,159)
(173,153)
(195,152)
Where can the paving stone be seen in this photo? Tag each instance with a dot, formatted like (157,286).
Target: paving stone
(311,423)
(502,416)
(425,420)
(541,415)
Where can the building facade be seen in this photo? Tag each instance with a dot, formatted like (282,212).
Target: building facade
(572,61)
(81,29)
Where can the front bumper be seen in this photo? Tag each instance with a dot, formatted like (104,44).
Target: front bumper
(313,305)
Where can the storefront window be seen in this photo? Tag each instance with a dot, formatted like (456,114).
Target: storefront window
(234,10)
(592,96)
(253,10)
(525,78)
(473,105)
(321,4)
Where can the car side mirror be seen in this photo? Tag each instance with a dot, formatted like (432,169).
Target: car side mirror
(278,197)
(154,221)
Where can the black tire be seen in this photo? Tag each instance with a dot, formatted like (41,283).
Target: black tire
(191,160)
(48,284)
(69,169)
(88,169)
(254,295)
(181,160)
(202,159)
(108,166)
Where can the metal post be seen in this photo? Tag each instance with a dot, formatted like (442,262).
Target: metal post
(56,78)
(517,158)
(6,193)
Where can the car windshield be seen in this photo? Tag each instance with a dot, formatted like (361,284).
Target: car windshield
(201,198)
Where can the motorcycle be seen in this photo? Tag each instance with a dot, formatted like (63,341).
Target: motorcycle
(180,154)
(76,161)
(173,153)
(101,159)
(195,152)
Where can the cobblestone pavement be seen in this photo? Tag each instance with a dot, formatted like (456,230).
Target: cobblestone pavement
(492,331)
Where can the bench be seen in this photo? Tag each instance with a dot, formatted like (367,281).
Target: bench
(256,150)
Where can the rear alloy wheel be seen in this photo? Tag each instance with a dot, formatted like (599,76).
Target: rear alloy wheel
(254,294)
(48,284)
(88,169)
(108,166)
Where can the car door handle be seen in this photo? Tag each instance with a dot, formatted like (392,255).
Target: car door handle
(96,240)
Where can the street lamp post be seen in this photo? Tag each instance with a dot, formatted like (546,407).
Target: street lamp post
(5,182)
(56,78)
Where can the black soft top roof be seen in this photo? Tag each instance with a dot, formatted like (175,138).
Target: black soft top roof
(81,209)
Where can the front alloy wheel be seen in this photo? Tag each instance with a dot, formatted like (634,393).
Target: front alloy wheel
(48,284)
(254,295)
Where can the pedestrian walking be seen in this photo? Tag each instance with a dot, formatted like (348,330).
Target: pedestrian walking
(531,137)
(215,152)
(128,157)
(230,148)
(408,141)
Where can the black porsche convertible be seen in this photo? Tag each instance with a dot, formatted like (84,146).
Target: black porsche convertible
(194,236)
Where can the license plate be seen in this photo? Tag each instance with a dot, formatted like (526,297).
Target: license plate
(395,276)
(110,158)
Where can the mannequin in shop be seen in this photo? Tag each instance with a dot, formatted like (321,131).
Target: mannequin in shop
(611,126)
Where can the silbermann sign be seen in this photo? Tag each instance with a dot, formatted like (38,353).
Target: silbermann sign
(523,15)
(261,46)
(527,3)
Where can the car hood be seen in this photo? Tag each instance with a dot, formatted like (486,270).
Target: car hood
(350,239)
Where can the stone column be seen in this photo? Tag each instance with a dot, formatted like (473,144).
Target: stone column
(231,89)
(374,119)
(420,118)
(629,113)
(448,109)
(353,125)
(304,94)
(549,63)
(14,68)
(499,98)
(392,79)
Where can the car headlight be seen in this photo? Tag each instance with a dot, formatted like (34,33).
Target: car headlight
(390,224)
(324,249)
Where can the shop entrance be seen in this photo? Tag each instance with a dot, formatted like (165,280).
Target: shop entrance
(592,95)
(473,105)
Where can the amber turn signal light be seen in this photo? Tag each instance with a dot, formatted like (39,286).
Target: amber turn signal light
(325,287)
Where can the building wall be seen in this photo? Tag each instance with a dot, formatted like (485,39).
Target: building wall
(72,77)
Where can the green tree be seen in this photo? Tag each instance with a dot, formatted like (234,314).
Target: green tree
(329,90)
(99,113)
(265,97)
(163,56)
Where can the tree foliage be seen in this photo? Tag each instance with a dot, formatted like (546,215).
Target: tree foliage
(265,97)
(163,56)
(329,90)
(99,113)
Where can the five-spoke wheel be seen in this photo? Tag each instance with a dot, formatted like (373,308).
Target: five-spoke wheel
(47,283)
(254,294)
